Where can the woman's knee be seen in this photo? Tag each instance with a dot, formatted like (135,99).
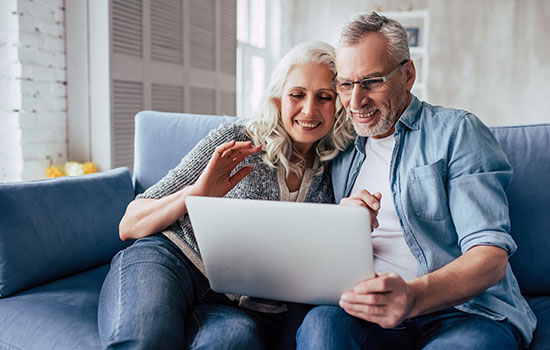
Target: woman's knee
(156,249)
(322,318)
(217,328)
(330,327)
(144,281)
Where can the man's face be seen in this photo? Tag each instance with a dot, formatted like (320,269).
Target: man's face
(374,112)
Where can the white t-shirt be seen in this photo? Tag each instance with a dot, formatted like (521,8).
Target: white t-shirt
(391,252)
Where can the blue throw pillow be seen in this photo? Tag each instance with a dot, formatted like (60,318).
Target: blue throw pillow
(57,227)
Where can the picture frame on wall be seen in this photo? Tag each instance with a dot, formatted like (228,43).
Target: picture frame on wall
(413,35)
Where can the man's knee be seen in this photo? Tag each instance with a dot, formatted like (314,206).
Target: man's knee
(475,332)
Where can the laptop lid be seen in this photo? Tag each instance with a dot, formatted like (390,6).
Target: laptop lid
(298,252)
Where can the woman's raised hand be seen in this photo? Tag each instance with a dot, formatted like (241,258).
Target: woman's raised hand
(216,179)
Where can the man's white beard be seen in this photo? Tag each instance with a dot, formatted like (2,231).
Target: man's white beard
(380,128)
(385,122)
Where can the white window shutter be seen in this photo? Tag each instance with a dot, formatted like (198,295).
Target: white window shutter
(167,98)
(165,55)
(229,103)
(127,27)
(127,101)
(167,31)
(203,101)
(203,40)
(228,37)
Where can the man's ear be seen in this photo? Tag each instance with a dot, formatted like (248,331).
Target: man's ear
(410,75)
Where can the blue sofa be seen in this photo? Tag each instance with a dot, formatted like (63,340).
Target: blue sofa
(57,236)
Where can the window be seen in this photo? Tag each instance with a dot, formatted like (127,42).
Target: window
(257,23)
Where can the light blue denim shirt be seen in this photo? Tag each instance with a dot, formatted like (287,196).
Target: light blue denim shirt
(449,178)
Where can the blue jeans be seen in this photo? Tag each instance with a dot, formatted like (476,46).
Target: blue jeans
(330,327)
(154,298)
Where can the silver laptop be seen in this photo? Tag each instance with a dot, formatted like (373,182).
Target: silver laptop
(297,252)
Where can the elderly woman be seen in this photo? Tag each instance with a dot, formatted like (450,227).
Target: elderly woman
(156,294)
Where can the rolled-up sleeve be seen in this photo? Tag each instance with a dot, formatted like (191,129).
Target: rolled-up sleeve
(479,175)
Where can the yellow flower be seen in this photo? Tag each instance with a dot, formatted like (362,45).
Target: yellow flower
(54,171)
(71,169)
(89,167)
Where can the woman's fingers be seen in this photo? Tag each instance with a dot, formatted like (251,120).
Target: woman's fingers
(221,149)
(239,175)
(240,148)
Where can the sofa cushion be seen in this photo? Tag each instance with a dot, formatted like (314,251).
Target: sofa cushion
(541,307)
(57,315)
(528,149)
(56,227)
(173,134)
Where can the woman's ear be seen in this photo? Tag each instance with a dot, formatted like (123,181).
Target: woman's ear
(277,101)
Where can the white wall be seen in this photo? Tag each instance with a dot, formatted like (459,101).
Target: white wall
(490,57)
(10,131)
(493,58)
(32,86)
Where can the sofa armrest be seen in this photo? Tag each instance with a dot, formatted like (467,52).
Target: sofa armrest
(56,227)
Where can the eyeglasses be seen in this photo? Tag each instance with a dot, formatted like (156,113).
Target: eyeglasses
(369,84)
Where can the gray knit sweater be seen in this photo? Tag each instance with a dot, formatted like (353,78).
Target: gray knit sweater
(263,183)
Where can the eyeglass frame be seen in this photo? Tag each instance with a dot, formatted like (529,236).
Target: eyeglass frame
(366,81)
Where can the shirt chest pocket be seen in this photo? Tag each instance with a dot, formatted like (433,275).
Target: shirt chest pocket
(428,192)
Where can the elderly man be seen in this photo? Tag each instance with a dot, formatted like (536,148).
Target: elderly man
(434,179)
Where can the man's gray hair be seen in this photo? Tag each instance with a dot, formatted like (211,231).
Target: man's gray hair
(398,43)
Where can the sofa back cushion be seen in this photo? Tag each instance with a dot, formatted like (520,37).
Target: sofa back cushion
(56,227)
(162,139)
(528,150)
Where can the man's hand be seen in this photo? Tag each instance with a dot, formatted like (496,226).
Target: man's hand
(216,179)
(385,299)
(366,200)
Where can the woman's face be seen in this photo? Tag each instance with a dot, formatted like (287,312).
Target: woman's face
(308,104)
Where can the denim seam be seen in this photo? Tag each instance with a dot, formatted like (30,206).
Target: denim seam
(456,126)
(6,346)
(119,309)
(199,331)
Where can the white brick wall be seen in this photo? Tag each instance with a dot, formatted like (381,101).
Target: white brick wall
(33,112)
(10,132)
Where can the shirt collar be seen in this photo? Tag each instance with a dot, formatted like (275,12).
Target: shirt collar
(411,116)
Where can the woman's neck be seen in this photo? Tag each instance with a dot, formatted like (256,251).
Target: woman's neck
(293,180)
(304,158)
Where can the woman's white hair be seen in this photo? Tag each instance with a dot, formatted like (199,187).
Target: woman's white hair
(267,128)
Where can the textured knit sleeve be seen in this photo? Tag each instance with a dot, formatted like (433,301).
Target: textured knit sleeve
(192,165)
